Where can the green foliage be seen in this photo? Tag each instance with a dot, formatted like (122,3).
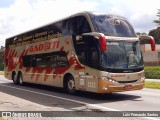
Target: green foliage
(152,72)
(1,72)
(1,67)
(1,60)
(156,34)
(158,21)
(154,85)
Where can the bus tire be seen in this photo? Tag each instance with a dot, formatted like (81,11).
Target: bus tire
(20,79)
(14,78)
(70,85)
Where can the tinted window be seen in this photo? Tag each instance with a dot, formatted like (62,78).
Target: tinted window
(112,25)
(122,56)
(87,51)
(65,27)
(52,31)
(81,53)
(79,25)
(55,30)
(54,59)
(75,26)
(27,60)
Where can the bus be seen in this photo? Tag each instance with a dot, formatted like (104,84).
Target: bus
(87,51)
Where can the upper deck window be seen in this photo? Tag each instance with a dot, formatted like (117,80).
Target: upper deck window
(79,25)
(112,25)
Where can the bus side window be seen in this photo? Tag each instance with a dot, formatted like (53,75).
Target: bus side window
(55,30)
(81,56)
(46,60)
(65,27)
(26,61)
(94,62)
(33,61)
(79,25)
(62,59)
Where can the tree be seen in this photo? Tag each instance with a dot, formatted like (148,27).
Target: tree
(156,34)
(158,21)
(138,33)
(1,60)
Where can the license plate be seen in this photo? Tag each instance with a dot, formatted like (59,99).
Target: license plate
(127,87)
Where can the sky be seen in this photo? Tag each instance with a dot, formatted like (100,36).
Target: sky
(17,16)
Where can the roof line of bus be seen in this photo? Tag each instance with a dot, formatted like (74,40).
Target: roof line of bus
(73,15)
(76,14)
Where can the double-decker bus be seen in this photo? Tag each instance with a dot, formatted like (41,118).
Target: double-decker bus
(86,51)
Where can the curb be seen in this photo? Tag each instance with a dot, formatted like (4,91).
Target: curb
(153,80)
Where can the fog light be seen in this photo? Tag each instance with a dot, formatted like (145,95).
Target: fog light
(104,78)
(142,78)
(104,88)
(110,80)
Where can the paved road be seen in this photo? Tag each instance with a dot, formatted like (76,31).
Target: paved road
(41,98)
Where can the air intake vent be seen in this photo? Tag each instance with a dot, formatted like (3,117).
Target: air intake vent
(127,81)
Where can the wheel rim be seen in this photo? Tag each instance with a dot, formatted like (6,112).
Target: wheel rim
(71,84)
(14,78)
(20,80)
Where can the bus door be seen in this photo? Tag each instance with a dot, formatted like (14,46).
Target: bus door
(91,80)
(87,52)
(80,73)
(91,70)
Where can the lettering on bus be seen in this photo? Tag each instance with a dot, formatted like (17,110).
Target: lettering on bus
(44,46)
(37,37)
(113,76)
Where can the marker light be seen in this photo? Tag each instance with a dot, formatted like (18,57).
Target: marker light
(103,43)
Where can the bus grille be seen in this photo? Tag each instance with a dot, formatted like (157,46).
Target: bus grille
(127,81)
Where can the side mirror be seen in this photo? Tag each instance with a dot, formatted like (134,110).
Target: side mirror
(150,39)
(100,37)
(103,43)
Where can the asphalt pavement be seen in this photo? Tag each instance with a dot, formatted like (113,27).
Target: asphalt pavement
(31,97)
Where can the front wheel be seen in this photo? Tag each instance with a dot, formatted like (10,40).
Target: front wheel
(70,85)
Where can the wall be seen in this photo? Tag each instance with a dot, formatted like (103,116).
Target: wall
(151,58)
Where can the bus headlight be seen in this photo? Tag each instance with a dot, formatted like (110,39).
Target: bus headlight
(142,78)
(109,80)
(104,78)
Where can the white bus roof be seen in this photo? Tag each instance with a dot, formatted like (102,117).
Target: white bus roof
(85,13)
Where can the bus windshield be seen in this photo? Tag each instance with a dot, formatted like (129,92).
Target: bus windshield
(111,25)
(122,55)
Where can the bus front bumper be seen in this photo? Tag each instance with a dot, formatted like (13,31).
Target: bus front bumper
(106,87)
